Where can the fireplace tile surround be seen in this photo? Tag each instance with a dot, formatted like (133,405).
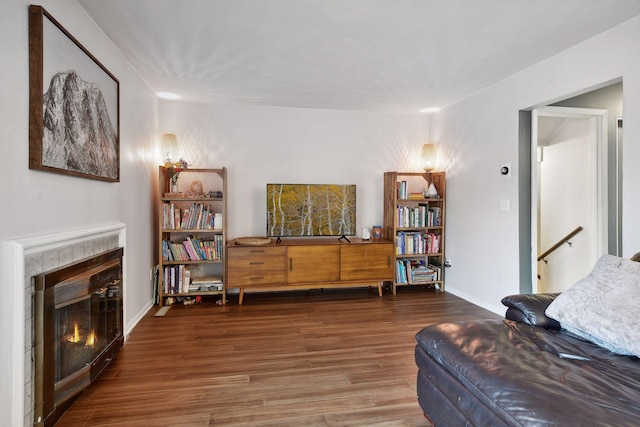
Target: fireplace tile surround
(44,253)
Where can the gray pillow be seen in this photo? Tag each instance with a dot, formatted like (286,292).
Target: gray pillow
(604,307)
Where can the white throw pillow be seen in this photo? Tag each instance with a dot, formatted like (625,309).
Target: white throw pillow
(604,307)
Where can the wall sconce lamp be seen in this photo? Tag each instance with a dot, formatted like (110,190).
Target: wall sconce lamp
(169,146)
(429,156)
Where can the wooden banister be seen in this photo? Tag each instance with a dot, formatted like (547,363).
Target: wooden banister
(560,243)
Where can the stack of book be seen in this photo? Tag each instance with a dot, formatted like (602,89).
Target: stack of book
(422,274)
(205,284)
(414,272)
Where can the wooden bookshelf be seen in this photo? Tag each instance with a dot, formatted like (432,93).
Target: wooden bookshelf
(191,236)
(416,224)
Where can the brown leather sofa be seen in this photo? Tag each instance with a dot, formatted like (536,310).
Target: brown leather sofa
(523,371)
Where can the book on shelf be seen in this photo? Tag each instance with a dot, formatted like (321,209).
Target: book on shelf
(206,284)
(218,221)
(176,218)
(435,217)
(185,217)
(177,252)
(166,252)
(188,245)
(401,271)
(156,297)
(433,243)
(436,266)
(402,190)
(196,246)
(167,215)
(186,277)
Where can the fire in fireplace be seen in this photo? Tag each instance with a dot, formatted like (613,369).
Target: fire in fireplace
(78,330)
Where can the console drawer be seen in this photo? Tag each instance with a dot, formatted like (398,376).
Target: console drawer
(258,277)
(255,265)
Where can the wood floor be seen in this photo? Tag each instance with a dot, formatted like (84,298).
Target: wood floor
(308,358)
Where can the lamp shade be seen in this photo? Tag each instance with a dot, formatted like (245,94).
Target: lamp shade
(429,156)
(169,146)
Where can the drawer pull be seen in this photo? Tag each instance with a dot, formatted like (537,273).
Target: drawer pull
(257,251)
(256,278)
(256,263)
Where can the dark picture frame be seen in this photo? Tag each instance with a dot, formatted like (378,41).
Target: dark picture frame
(74,105)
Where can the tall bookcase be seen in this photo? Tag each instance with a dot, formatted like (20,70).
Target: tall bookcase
(416,223)
(192,226)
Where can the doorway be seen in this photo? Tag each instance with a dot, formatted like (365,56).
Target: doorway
(608,97)
(569,194)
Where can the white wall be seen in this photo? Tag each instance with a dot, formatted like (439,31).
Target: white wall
(261,145)
(481,132)
(36,202)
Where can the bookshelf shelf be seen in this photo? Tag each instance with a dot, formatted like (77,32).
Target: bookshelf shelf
(191,199)
(417,226)
(191,236)
(439,227)
(191,294)
(191,230)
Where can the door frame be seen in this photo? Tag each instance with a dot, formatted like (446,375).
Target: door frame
(598,119)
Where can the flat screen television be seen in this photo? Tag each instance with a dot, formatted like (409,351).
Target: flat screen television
(311,210)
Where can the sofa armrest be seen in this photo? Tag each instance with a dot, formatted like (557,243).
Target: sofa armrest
(529,308)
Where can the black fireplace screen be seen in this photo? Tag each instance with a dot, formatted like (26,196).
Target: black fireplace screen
(84,328)
(78,329)
(75,340)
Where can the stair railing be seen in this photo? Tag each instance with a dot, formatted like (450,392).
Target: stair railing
(565,239)
(560,242)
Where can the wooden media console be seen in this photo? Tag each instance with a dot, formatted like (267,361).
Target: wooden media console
(309,263)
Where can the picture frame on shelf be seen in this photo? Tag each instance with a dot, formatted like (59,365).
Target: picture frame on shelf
(74,101)
(196,190)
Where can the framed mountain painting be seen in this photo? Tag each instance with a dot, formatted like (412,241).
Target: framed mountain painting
(74,118)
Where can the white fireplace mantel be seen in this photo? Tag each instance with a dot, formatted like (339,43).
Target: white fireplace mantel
(13,276)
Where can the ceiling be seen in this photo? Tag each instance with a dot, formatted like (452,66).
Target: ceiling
(395,56)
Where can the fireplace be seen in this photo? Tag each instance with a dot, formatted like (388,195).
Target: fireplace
(78,330)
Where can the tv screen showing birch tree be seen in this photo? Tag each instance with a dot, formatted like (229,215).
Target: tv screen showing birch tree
(311,210)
